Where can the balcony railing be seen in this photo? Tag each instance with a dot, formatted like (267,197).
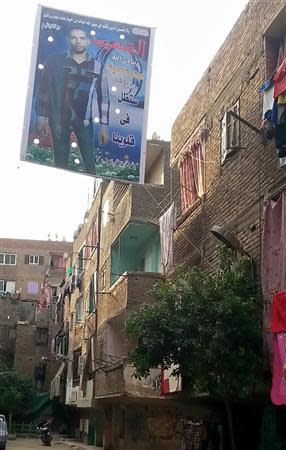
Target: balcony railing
(129,291)
(115,380)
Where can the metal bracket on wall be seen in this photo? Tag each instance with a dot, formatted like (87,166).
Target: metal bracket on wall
(245,122)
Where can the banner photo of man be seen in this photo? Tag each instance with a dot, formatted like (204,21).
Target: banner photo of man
(87,101)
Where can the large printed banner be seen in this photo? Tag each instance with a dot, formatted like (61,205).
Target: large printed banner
(87,100)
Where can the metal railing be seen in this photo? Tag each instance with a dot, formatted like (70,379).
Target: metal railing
(29,429)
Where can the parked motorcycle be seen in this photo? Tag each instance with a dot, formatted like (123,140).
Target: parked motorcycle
(45,433)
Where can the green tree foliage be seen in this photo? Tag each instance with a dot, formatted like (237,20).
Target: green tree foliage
(208,326)
(16,391)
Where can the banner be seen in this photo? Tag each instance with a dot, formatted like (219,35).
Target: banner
(87,101)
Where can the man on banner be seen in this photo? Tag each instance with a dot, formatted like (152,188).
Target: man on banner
(72,88)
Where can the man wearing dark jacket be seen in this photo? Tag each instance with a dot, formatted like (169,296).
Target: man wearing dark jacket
(73,86)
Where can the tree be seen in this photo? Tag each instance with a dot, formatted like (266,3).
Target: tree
(208,326)
(16,391)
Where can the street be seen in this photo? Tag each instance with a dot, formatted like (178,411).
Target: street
(30,444)
(24,444)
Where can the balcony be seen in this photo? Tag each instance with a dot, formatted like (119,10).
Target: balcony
(85,401)
(115,380)
(126,294)
(137,249)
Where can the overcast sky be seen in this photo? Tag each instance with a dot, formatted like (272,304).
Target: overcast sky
(37,201)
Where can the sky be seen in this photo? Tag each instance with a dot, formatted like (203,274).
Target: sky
(41,202)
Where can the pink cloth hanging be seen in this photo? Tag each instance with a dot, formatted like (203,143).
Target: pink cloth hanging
(278,390)
(273,262)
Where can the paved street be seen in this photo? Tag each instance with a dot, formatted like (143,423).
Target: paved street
(30,444)
(25,444)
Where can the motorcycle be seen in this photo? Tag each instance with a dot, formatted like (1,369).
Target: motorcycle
(45,433)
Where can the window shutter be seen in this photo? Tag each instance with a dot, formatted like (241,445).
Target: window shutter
(27,259)
(41,260)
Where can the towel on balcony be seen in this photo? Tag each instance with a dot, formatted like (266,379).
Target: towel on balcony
(167,224)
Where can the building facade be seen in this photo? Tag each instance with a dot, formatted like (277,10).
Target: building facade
(116,260)
(225,143)
(30,272)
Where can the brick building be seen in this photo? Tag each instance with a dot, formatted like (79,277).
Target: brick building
(30,271)
(116,260)
(230,174)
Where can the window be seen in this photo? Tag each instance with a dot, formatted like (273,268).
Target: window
(32,287)
(81,260)
(230,133)
(79,310)
(274,43)
(75,364)
(34,259)
(192,172)
(8,259)
(57,262)
(7,286)
(92,297)
(42,336)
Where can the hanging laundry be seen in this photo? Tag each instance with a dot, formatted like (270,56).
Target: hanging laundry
(167,224)
(273,262)
(278,316)
(278,389)
(280,79)
(268,99)
(279,133)
(266,85)
(266,128)
(282,99)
